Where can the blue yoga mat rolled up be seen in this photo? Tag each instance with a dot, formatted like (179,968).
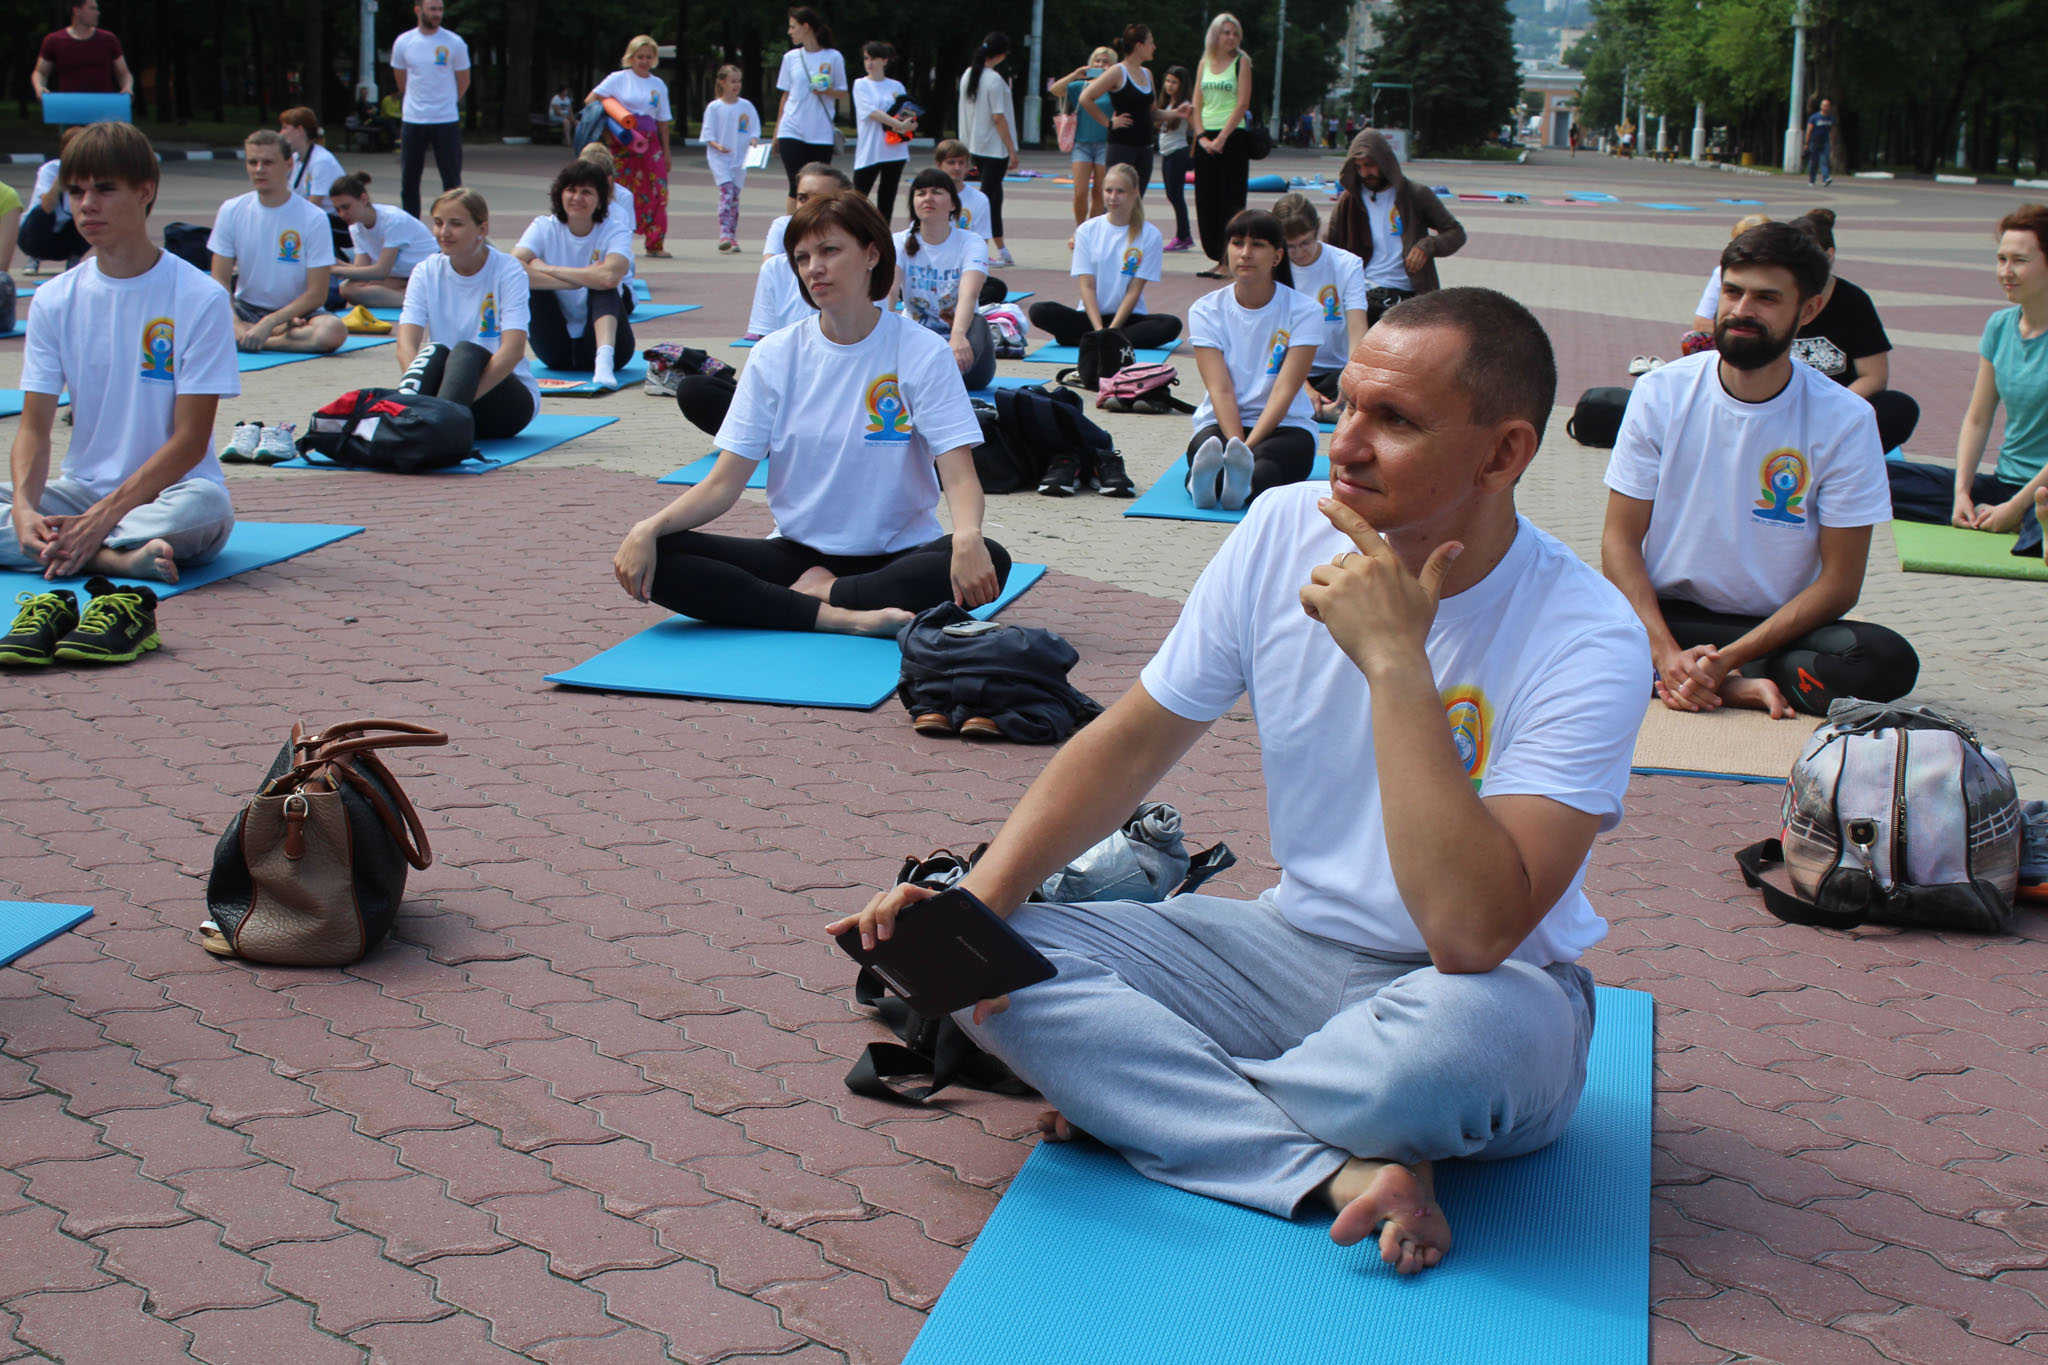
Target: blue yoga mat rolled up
(251,545)
(29,924)
(1086,1262)
(81,108)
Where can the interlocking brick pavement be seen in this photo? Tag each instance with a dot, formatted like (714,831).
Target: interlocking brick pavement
(586,1106)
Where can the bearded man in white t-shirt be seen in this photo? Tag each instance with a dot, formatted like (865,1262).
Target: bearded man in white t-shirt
(1447,700)
(1743,489)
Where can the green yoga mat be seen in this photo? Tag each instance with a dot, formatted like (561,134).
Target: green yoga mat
(1086,1262)
(1951,549)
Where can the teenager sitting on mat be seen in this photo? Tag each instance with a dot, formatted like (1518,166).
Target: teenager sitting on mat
(47,232)
(951,157)
(1447,701)
(1254,342)
(388,244)
(2012,368)
(1115,257)
(272,250)
(1744,486)
(1335,280)
(938,264)
(145,344)
(577,259)
(1846,341)
(462,332)
(621,199)
(862,418)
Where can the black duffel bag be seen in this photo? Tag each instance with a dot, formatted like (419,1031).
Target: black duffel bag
(1596,421)
(405,433)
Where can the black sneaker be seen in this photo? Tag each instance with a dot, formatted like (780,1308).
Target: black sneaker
(119,624)
(44,619)
(1062,478)
(1109,478)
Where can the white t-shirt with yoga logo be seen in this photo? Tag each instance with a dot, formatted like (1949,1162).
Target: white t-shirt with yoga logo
(552,243)
(1742,490)
(871,145)
(1255,342)
(1336,282)
(272,248)
(394,227)
(931,278)
(455,308)
(975,213)
(735,127)
(314,174)
(128,350)
(1541,665)
(430,62)
(850,433)
(1383,210)
(811,80)
(1106,252)
(643,96)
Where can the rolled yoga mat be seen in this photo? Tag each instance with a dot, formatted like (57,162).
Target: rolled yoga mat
(1086,1262)
(83,108)
(251,545)
(1925,548)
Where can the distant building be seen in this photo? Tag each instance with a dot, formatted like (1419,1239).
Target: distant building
(1558,88)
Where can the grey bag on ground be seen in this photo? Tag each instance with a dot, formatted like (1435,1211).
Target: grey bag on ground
(1143,861)
(1894,815)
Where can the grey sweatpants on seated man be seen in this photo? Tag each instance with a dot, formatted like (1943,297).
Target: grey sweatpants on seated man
(192,517)
(1224,1051)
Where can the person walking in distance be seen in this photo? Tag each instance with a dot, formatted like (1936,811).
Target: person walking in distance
(988,127)
(431,65)
(812,80)
(1820,141)
(642,154)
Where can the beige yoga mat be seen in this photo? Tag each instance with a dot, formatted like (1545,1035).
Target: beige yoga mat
(1745,745)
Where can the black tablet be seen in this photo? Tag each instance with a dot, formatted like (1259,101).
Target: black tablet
(948,952)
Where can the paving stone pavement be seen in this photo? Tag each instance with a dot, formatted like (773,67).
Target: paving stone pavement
(586,1106)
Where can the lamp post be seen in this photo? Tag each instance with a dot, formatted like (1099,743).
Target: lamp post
(1032,136)
(366,51)
(1279,62)
(1699,132)
(1795,119)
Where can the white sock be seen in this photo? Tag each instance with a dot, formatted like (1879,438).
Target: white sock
(605,373)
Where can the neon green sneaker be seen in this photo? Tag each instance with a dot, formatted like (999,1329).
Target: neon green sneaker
(119,624)
(44,619)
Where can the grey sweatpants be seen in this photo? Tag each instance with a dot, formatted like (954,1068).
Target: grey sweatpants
(192,517)
(1224,1051)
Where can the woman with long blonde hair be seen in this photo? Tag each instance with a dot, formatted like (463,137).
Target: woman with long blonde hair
(1223,91)
(641,147)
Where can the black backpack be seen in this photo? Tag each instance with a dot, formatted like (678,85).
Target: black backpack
(1024,430)
(187,241)
(1596,421)
(8,303)
(1098,354)
(405,433)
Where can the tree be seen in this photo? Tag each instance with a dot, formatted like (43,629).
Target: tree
(1460,57)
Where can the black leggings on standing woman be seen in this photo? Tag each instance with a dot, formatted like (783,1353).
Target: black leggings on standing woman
(993,169)
(740,581)
(452,372)
(1173,176)
(1219,192)
(797,155)
(890,173)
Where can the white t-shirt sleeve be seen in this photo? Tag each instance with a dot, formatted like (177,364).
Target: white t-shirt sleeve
(1710,299)
(318,236)
(1572,739)
(1201,670)
(750,420)
(416,311)
(1206,322)
(1152,254)
(1634,466)
(515,296)
(536,237)
(42,360)
(1351,287)
(789,77)
(935,394)
(221,241)
(206,362)
(1858,489)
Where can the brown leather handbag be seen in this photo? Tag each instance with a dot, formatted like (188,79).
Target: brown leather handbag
(310,873)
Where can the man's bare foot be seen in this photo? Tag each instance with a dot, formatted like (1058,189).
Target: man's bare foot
(1053,1127)
(151,559)
(815,581)
(1399,1202)
(1755,694)
(884,621)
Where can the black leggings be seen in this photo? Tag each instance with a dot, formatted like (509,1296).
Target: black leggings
(452,372)
(547,331)
(992,170)
(890,173)
(1841,659)
(1897,415)
(1173,173)
(1219,192)
(1144,331)
(797,155)
(1287,456)
(413,141)
(704,398)
(1138,159)
(41,239)
(738,581)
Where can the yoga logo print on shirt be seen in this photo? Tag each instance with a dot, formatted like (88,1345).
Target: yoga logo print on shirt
(1822,354)
(1327,296)
(487,316)
(1394,219)
(288,244)
(1783,476)
(888,419)
(1471,721)
(440,56)
(1131,258)
(1276,351)
(160,351)
(743,124)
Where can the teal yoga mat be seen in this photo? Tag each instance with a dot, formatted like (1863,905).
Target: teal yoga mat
(248,361)
(11,402)
(642,311)
(1671,208)
(251,545)
(696,471)
(543,433)
(1069,355)
(556,383)
(1086,1262)
(28,924)
(686,658)
(1168,498)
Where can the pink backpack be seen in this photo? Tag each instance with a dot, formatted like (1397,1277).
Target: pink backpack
(1140,388)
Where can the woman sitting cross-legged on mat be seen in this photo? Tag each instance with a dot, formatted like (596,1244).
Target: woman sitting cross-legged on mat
(387,245)
(1115,256)
(577,260)
(862,418)
(1254,342)
(939,263)
(462,332)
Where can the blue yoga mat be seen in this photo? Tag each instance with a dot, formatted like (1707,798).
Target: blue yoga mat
(1168,498)
(696,471)
(1008,381)
(1739,201)
(641,290)
(740,342)
(251,545)
(1018,295)
(29,924)
(543,433)
(11,402)
(556,383)
(686,658)
(642,312)
(1670,208)
(1086,1262)
(247,361)
(1070,355)
(86,108)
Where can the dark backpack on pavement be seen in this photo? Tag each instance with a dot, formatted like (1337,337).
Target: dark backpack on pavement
(1024,430)
(1097,356)
(405,433)
(1596,421)
(187,241)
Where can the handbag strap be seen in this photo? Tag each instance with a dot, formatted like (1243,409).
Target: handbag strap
(361,736)
(1786,906)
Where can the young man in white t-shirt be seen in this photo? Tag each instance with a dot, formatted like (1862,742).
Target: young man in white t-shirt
(273,252)
(145,345)
(431,65)
(1447,701)
(975,215)
(1743,489)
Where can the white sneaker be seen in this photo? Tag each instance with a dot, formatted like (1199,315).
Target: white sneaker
(279,443)
(1204,472)
(1237,476)
(242,449)
(1002,256)
(1643,364)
